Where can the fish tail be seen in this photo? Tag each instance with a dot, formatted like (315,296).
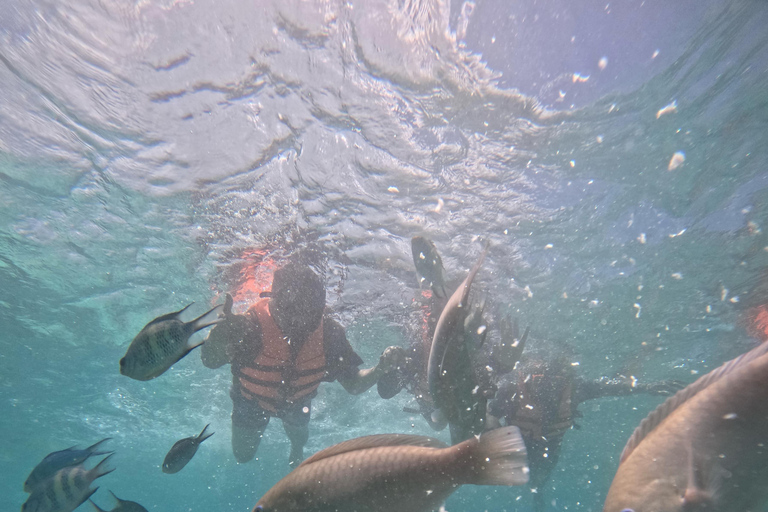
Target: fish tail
(208,318)
(202,437)
(101,469)
(92,449)
(96,506)
(497,457)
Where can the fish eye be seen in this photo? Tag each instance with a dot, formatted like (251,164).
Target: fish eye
(258,508)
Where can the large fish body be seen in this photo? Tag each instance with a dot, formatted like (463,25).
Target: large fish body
(182,452)
(429,265)
(122,506)
(66,490)
(450,372)
(59,460)
(394,472)
(164,341)
(704,449)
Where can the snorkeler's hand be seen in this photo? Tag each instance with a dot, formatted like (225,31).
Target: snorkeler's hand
(390,359)
(228,302)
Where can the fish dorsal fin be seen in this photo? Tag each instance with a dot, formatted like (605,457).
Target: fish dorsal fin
(168,316)
(672,403)
(375,441)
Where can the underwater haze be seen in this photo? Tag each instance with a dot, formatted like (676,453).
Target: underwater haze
(615,155)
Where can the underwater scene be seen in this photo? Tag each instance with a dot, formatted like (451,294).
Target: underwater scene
(410,255)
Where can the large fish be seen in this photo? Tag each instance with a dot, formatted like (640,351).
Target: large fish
(450,372)
(59,460)
(704,449)
(182,452)
(429,265)
(162,342)
(66,490)
(122,506)
(395,472)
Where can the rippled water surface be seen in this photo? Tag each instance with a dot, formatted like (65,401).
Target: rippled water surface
(614,154)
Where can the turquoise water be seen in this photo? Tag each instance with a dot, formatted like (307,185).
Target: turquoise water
(146,147)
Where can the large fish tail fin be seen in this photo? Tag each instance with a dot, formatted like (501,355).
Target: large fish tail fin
(497,457)
(101,468)
(95,506)
(92,449)
(202,437)
(211,317)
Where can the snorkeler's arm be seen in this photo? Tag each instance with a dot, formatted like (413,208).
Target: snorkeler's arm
(622,386)
(357,381)
(222,341)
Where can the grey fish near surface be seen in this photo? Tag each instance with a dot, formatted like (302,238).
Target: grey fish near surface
(58,460)
(450,373)
(395,472)
(66,490)
(429,265)
(163,342)
(122,506)
(704,449)
(182,452)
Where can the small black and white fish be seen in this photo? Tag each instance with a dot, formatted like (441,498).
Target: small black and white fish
(60,460)
(66,490)
(183,451)
(122,506)
(163,342)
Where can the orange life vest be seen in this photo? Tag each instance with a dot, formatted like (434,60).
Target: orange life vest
(529,416)
(278,375)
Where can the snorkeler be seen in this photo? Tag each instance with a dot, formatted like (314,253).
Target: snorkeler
(541,396)
(280,351)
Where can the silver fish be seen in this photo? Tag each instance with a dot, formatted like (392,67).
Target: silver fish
(450,372)
(182,452)
(705,448)
(162,342)
(122,506)
(66,490)
(399,472)
(59,460)
(429,265)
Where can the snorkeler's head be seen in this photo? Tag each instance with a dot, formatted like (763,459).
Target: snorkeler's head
(298,298)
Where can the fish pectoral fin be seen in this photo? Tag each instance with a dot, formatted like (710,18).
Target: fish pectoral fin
(705,482)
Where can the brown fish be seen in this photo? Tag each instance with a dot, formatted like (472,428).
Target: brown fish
(704,449)
(398,472)
(449,371)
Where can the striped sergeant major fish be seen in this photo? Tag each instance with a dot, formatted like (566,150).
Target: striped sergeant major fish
(163,342)
(66,489)
(59,460)
(429,265)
